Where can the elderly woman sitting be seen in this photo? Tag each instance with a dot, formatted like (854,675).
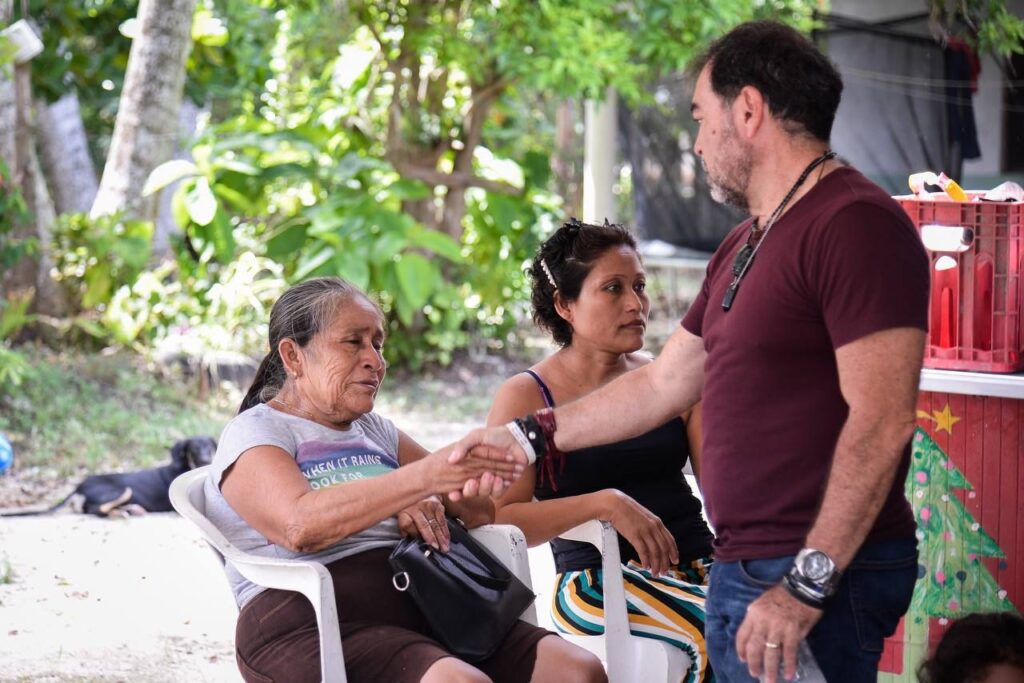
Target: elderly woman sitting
(308,470)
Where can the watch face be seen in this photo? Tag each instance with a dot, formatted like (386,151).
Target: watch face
(816,566)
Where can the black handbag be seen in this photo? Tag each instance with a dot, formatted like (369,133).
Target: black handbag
(469,598)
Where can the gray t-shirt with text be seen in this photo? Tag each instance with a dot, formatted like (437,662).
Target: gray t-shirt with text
(327,457)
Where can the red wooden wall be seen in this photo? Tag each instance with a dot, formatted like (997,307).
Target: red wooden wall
(984,438)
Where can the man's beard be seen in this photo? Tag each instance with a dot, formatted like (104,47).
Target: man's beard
(729,185)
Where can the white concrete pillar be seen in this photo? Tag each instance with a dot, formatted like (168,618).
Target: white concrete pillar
(599,156)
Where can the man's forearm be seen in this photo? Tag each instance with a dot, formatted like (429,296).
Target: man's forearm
(866,460)
(637,401)
(878,375)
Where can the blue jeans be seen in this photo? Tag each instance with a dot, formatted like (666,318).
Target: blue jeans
(873,594)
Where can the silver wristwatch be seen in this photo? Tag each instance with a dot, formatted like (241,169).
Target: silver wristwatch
(814,577)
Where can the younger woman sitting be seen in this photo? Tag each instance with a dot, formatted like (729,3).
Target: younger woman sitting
(589,293)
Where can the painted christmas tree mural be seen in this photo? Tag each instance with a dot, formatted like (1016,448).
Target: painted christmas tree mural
(953,581)
(952,542)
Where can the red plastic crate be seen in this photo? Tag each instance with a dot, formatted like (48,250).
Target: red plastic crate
(975,320)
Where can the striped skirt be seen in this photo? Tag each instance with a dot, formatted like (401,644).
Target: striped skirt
(668,608)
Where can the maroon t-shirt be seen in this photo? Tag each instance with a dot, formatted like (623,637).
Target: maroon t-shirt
(843,262)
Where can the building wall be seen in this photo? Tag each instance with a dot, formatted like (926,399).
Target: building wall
(988,101)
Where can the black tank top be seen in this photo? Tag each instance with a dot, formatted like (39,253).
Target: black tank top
(649,469)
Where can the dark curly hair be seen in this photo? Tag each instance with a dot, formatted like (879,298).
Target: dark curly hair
(569,254)
(799,84)
(972,645)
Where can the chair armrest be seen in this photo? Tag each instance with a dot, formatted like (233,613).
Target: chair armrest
(314,582)
(595,532)
(507,543)
(303,576)
(628,658)
(603,536)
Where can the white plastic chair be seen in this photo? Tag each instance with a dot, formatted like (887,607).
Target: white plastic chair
(311,578)
(628,658)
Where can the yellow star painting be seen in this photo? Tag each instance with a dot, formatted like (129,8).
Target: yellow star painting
(944,419)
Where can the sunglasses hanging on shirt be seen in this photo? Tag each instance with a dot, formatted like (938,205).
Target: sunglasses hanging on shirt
(756,238)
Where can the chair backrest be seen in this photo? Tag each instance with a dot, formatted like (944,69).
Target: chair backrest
(310,578)
(188,498)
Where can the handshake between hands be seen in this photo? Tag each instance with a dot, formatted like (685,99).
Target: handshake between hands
(483,463)
(486,461)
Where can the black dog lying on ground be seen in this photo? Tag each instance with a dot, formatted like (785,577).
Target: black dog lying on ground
(133,493)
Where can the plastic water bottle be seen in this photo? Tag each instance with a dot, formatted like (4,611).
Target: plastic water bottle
(807,669)
(6,454)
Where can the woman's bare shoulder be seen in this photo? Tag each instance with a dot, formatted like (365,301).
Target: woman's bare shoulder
(518,395)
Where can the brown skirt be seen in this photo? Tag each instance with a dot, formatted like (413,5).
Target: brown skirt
(385,637)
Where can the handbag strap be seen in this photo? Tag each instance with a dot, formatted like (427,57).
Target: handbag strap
(485,580)
(503,576)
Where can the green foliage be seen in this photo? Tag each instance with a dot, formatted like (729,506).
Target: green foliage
(201,310)
(228,65)
(414,92)
(87,42)
(13,211)
(14,315)
(103,411)
(83,52)
(333,129)
(96,256)
(14,308)
(7,52)
(14,368)
(7,574)
(286,194)
(204,305)
(988,24)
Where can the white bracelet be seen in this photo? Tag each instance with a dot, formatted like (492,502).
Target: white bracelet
(524,443)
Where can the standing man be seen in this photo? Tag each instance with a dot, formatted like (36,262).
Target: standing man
(805,345)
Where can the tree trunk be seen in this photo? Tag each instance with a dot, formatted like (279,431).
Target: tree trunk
(65,155)
(188,119)
(7,118)
(424,210)
(566,160)
(147,117)
(32,272)
(455,199)
(7,112)
(50,299)
(6,142)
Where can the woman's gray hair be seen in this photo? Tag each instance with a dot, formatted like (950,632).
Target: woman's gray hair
(301,313)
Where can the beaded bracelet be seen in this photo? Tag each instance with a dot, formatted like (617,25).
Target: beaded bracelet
(554,461)
(546,421)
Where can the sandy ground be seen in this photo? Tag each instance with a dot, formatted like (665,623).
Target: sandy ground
(139,599)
